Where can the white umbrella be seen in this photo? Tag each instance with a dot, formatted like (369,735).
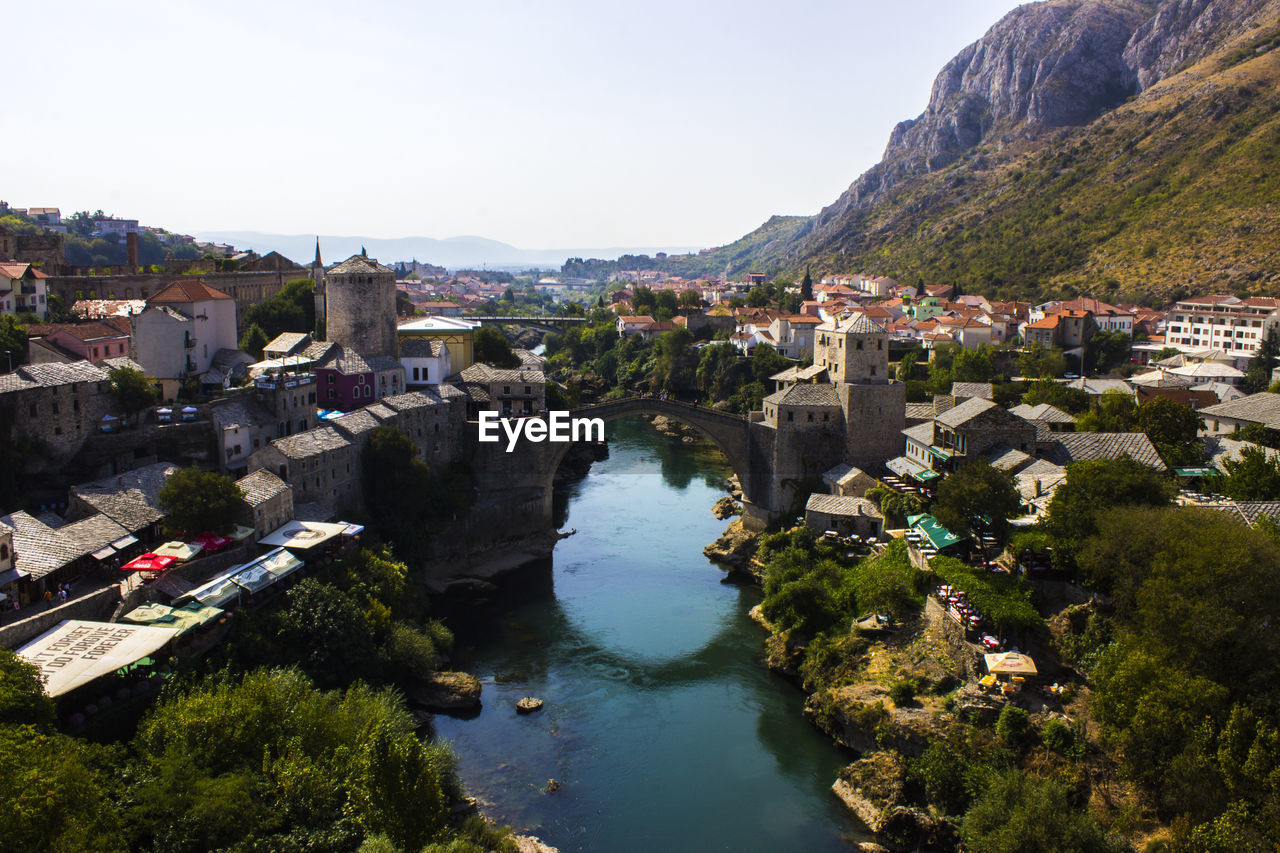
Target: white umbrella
(188,410)
(164,411)
(110,418)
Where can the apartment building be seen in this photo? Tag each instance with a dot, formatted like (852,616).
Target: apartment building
(1235,326)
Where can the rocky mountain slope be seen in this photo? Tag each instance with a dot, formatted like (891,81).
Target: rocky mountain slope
(1115,147)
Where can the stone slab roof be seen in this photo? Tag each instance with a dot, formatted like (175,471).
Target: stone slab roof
(920,433)
(1253,510)
(856,323)
(356,423)
(962,413)
(920,411)
(359,264)
(1006,458)
(1042,412)
(1261,408)
(260,486)
(806,394)
(314,442)
(288,342)
(119,362)
(411,400)
(837,505)
(481,372)
(1070,447)
(51,375)
(843,474)
(1219,449)
(421,348)
(131,498)
(973,389)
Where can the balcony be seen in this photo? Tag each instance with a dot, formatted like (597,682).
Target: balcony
(288,380)
(188,341)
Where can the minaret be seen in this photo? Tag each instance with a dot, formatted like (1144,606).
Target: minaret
(317,288)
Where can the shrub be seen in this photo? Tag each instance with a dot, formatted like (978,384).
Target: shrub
(1058,736)
(903,692)
(1012,725)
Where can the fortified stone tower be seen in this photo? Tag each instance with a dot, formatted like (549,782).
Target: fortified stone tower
(360,306)
(855,352)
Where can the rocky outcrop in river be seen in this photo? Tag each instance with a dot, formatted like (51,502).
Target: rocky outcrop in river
(447,692)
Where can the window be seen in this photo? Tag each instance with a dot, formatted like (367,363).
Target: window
(332,394)
(415,374)
(811,417)
(528,389)
(506,389)
(329,378)
(34,410)
(791,416)
(859,343)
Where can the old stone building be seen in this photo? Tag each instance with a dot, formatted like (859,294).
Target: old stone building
(57,406)
(268,501)
(360,307)
(322,465)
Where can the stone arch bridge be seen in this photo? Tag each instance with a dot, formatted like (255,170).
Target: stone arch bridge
(514,488)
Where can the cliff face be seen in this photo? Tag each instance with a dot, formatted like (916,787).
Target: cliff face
(1044,65)
(1124,148)
(1183,32)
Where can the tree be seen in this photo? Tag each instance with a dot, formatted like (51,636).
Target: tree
(1036,362)
(1107,350)
(976,500)
(22,697)
(1095,485)
(690,299)
(327,631)
(1264,362)
(253,340)
(13,343)
(1020,813)
(194,501)
(907,365)
(133,389)
(806,286)
(1173,429)
(492,347)
(675,369)
(1073,401)
(1115,411)
(1255,476)
(293,309)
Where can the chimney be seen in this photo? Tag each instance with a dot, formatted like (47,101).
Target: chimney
(131,250)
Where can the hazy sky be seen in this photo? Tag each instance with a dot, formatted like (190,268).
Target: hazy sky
(543,124)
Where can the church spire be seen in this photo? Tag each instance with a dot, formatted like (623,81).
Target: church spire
(317,261)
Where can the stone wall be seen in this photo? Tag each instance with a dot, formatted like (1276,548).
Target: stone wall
(246,288)
(875,416)
(94,606)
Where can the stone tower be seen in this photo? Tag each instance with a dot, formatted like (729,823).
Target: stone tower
(360,306)
(855,352)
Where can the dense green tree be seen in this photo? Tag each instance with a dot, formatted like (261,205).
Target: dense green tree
(760,296)
(675,369)
(13,343)
(253,340)
(1114,411)
(977,499)
(1095,485)
(1255,476)
(1073,401)
(1020,813)
(1173,429)
(1036,362)
(1107,350)
(55,790)
(492,347)
(907,365)
(270,762)
(196,501)
(293,309)
(134,390)
(327,633)
(22,697)
(806,286)
(1258,377)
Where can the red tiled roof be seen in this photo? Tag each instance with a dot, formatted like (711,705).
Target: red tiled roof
(188,291)
(1050,322)
(18,270)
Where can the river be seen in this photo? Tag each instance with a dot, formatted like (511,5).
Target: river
(661,724)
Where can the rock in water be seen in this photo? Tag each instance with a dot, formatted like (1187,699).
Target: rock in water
(528,705)
(725,507)
(552,786)
(532,844)
(446,691)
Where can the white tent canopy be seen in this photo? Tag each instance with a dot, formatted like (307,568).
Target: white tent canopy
(78,652)
(301,535)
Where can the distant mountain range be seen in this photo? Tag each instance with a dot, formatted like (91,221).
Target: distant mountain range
(453,253)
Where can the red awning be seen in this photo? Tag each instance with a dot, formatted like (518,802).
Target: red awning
(212,541)
(148,563)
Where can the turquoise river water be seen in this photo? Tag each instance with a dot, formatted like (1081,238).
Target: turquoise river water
(661,724)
